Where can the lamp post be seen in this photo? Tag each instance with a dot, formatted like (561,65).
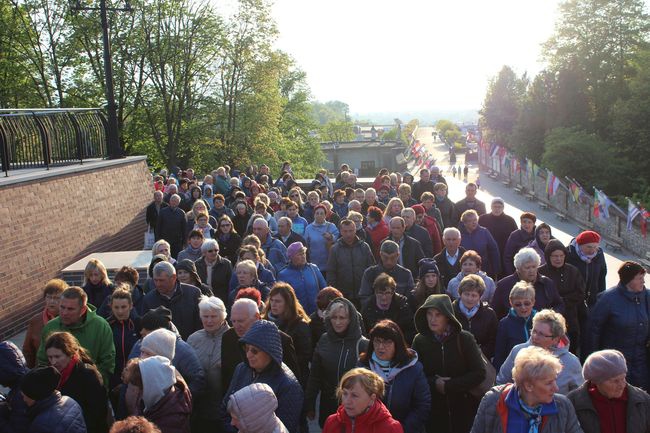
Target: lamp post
(113,136)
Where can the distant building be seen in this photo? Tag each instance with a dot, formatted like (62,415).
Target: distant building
(365,157)
(373,132)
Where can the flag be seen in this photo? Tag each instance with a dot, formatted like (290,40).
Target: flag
(644,221)
(632,212)
(601,204)
(552,184)
(494,150)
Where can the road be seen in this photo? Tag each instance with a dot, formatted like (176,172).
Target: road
(515,204)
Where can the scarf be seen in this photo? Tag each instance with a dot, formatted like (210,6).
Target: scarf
(442,337)
(383,367)
(67,371)
(468,313)
(47,316)
(223,237)
(584,257)
(533,416)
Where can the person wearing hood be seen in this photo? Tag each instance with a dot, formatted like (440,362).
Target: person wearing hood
(93,332)
(499,224)
(361,408)
(214,270)
(337,352)
(606,403)
(207,345)
(242,216)
(477,238)
(193,250)
(571,287)
(452,364)
(542,236)
(47,410)
(475,316)
(470,264)
(586,255)
(515,327)
(208,196)
(531,404)
(407,395)
(166,401)
(549,333)
(386,304)
(446,207)
(187,274)
(252,410)
(195,194)
(13,367)
(527,269)
(305,278)
(348,258)
(620,321)
(263,364)
(518,239)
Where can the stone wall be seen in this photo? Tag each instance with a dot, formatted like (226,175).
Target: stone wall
(50,222)
(613,229)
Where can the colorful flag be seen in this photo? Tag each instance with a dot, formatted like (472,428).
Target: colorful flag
(644,221)
(632,212)
(552,184)
(601,204)
(494,150)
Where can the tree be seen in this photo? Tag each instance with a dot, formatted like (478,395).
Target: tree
(329,111)
(448,131)
(502,106)
(337,131)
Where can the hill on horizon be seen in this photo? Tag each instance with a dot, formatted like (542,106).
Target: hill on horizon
(426,117)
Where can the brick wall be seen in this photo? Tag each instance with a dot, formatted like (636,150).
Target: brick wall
(48,224)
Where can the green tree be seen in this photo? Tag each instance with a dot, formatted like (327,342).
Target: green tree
(502,106)
(337,131)
(324,112)
(448,131)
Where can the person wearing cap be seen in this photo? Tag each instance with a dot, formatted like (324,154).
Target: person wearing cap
(263,364)
(446,207)
(620,320)
(48,410)
(348,258)
(388,263)
(448,260)
(519,239)
(305,278)
(429,283)
(571,287)
(499,224)
(606,402)
(586,255)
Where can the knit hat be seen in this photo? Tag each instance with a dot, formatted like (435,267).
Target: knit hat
(588,237)
(428,266)
(419,209)
(498,200)
(40,382)
(603,365)
(254,406)
(160,317)
(293,249)
(160,342)
(320,206)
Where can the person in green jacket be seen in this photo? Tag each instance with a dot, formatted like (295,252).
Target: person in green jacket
(94,333)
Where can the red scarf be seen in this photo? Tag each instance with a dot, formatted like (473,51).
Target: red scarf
(67,371)
(47,316)
(612,412)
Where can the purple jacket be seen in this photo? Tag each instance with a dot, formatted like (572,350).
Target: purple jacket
(546,295)
(481,241)
(517,240)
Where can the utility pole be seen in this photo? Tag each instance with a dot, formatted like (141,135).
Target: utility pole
(112,134)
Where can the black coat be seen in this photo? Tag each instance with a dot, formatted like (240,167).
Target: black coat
(230,248)
(293,237)
(463,205)
(171,226)
(594,274)
(399,312)
(221,274)
(300,334)
(483,325)
(152,214)
(411,253)
(571,287)
(448,212)
(421,235)
(500,227)
(419,187)
(85,386)
(184,305)
(447,271)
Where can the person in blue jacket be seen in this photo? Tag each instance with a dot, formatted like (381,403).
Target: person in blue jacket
(477,238)
(305,278)
(320,236)
(407,393)
(620,321)
(263,364)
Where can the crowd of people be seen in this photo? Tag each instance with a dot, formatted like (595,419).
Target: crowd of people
(389,308)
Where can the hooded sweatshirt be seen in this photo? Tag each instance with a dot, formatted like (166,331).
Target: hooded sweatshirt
(254,406)
(158,375)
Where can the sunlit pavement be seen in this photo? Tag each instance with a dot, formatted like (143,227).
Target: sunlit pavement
(516,204)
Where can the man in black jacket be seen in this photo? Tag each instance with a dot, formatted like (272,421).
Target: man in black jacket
(417,232)
(470,202)
(448,260)
(423,185)
(285,233)
(171,224)
(154,208)
(410,249)
(389,256)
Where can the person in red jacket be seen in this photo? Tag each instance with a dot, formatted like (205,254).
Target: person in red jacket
(361,409)
(377,229)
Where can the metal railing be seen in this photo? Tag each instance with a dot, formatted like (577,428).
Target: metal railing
(32,138)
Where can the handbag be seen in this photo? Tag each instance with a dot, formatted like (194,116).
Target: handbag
(490,373)
(149,239)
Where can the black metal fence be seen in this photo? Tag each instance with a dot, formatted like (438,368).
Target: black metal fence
(48,137)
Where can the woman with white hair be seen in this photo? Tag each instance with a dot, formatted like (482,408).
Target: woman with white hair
(162,247)
(527,262)
(531,404)
(213,269)
(207,344)
(606,402)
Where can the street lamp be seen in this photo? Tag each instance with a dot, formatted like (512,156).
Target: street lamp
(113,135)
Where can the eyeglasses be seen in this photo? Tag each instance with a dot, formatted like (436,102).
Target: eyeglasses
(534,332)
(522,304)
(380,342)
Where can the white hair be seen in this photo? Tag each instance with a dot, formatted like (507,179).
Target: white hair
(247,304)
(353,203)
(526,255)
(450,230)
(261,220)
(209,244)
(212,303)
